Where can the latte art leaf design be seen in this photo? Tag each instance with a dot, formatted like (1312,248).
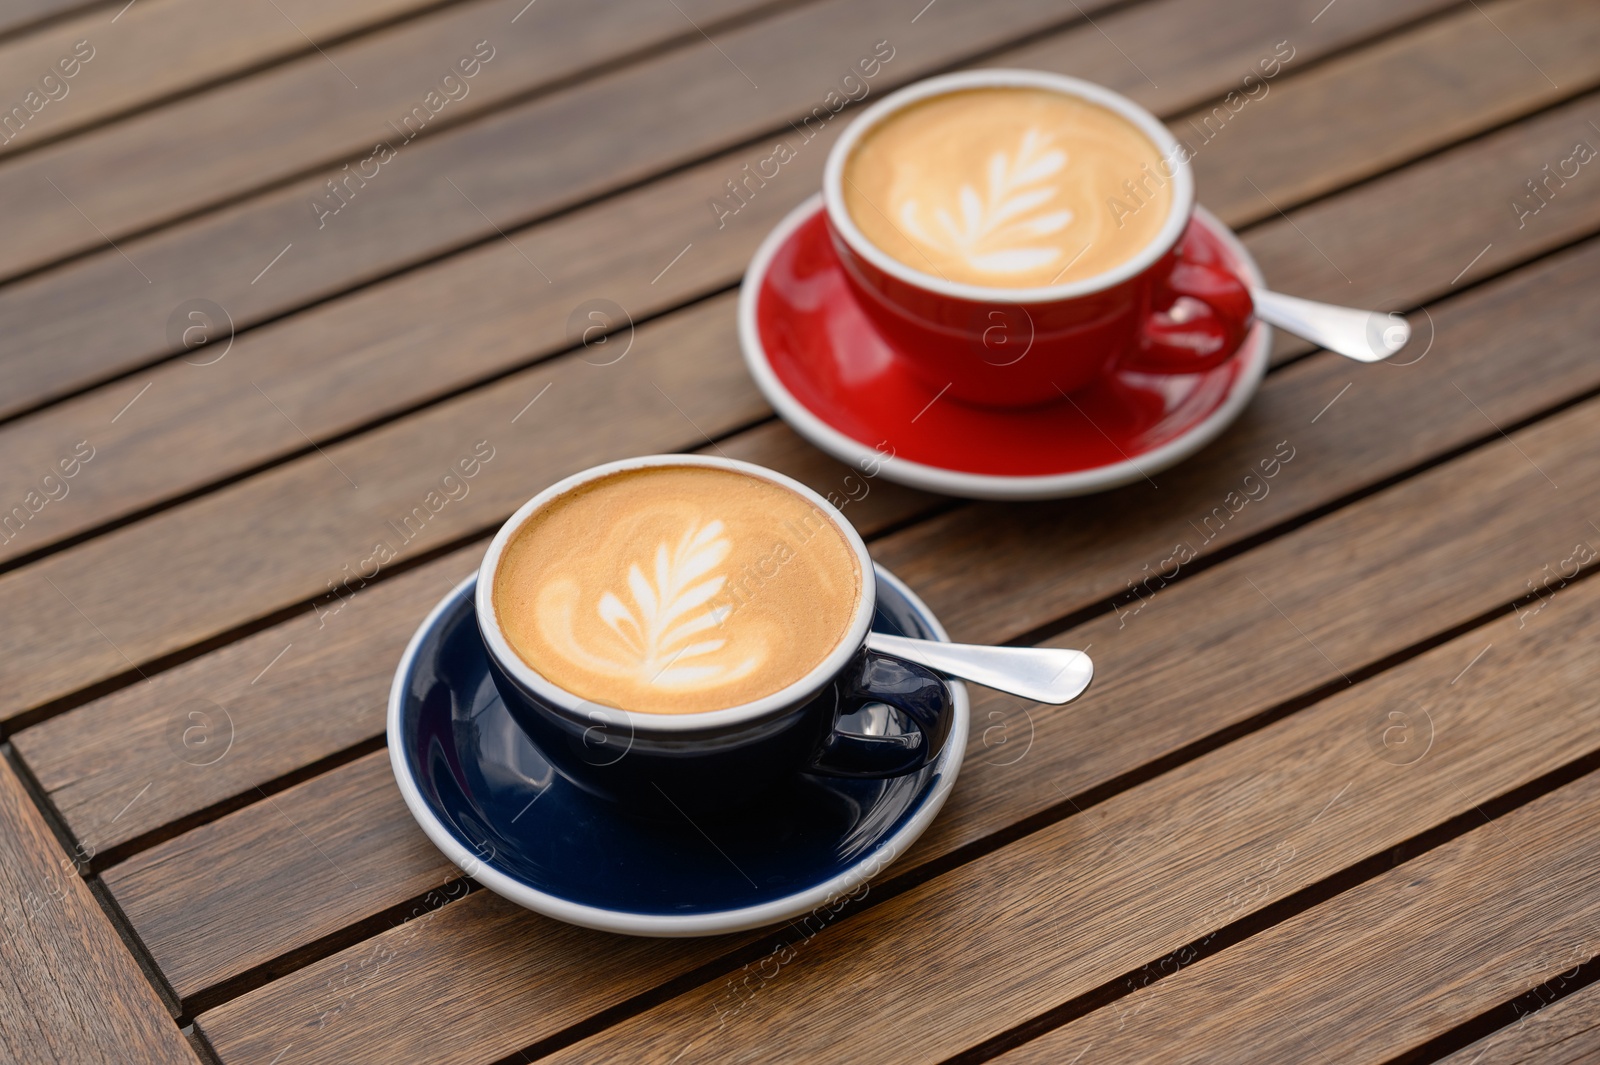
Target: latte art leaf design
(666,630)
(1000,231)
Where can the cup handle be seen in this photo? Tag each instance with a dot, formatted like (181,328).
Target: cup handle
(1196,321)
(917,692)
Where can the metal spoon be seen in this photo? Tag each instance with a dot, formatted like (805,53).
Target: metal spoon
(1043,674)
(1365,336)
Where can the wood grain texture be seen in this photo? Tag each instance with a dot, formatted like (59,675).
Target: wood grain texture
(1487,520)
(1007,578)
(478,305)
(871,504)
(1043,560)
(305,690)
(336,1004)
(1383,967)
(21,15)
(157,48)
(432,330)
(1387,100)
(990,944)
(372,849)
(395,69)
(247,890)
(73,755)
(1464,197)
(504,174)
(194,154)
(90,349)
(1168,55)
(243,715)
(1563,1033)
(1283,621)
(359,507)
(69,990)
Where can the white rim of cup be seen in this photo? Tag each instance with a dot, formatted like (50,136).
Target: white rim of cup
(1166,144)
(802,689)
(947,766)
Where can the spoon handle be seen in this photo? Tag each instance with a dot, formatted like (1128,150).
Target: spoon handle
(1043,674)
(1366,336)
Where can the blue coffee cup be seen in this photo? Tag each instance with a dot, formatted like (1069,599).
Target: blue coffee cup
(708,762)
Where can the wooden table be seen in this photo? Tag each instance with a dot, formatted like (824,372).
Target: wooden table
(271,267)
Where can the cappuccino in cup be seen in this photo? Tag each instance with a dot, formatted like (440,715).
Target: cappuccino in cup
(679,633)
(1013,236)
(1012,187)
(677,589)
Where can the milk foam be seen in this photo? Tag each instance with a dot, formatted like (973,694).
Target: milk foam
(1008,187)
(676,589)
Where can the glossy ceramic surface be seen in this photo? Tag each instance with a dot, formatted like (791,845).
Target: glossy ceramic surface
(829,373)
(487,797)
(702,763)
(1174,307)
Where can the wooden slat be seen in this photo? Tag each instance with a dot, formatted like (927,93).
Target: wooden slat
(1565,1032)
(870,504)
(91,349)
(1384,105)
(1023,562)
(1385,966)
(578,971)
(184,855)
(979,949)
(682,378)
(479,304)
(1096,546)
(1370,561)
(69,990)
(195,154)
(221,160)
(438,328)
(1484,519)
(1327,249)
(157,48)
(372,843)
(390,336)
(19,15)
(505,173)
(1000,562)
(263,707)
(305,690)
(1167,55)
(372,848)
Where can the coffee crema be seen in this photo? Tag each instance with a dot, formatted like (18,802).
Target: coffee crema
(1008,187)
(676,589)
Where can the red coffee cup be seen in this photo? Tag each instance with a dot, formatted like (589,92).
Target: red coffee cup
(1173,308)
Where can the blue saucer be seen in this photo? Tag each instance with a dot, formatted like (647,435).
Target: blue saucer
(488,799)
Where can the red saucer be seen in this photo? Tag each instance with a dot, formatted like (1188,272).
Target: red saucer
(826,370)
